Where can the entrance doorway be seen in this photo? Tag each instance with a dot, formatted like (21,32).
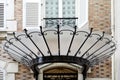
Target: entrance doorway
(60,73)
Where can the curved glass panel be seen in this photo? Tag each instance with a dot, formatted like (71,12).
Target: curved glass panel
(65,42)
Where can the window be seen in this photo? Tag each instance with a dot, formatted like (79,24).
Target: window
(60,12)
(2,16)
(59,8)
(35,11)
(51,8)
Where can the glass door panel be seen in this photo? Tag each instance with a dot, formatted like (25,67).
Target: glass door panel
(60,12)
(51,8)
(68,8)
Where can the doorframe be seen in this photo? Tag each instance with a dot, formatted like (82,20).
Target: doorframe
(60,72)
(44,67)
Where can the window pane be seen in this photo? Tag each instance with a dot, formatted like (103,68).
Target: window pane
(68,12)
(51,8)
(68,8)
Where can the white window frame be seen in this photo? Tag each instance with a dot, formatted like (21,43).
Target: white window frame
(4,26)
(10,8)
(4,73)
(81,12)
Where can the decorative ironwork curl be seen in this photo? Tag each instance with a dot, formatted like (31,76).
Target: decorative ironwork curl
(73,52)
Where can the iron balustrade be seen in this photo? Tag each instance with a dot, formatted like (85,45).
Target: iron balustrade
(52,22)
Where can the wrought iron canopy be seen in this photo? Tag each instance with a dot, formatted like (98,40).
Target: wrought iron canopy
(61,44)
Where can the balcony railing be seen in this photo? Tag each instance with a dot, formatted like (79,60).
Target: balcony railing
(52,22)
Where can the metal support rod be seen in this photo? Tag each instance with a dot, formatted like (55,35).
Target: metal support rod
(104,57)
(36,77)
(97,50)
(19,49)
(14,58)
(19,54)
(74,33)
(93,44)
(23,57)
(84,42)
(101,52)
(58,32)
(24,45)
(33,42)
(45,41)
(84,72)
(36,71)
(96,61)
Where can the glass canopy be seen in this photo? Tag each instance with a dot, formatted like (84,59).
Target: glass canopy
(62,44)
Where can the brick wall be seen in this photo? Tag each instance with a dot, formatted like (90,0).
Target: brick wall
(18,14)
(100,15)
(4,55)
(102,70)
(24,73)
(100,19)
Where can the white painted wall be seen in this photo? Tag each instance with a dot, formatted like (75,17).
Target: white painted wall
(10,9)
(12,67)
(11,25)
(83,12)
(9,69)
(116,57)
(3,64)
(10,77)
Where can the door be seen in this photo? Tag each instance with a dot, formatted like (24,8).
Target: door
(62,12)
(60,73)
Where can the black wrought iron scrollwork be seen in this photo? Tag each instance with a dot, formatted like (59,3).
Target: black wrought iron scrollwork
(52,22)
(103,46)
